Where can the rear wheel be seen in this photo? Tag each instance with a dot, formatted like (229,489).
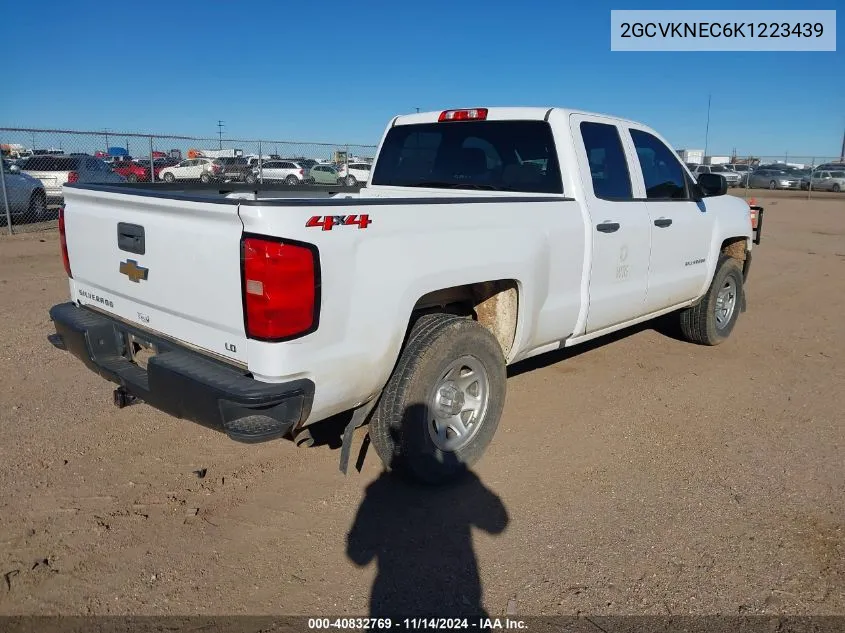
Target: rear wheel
(836,188)
(291,180)
(350,181)
(205,177)
(251,179)
(131,178)
(712,320)
(773,184)
(440,408)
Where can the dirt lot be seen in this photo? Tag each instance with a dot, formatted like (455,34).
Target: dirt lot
(636,475)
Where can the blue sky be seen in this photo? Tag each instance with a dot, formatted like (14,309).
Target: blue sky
(336,71)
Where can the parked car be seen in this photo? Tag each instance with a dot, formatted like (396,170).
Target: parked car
(234,168)
(741,169)
(286,171)
(357,172)
(26,195)
(193,169)
(539,234)
(323,175)
(54,171)
(824,180)
(730,175)
(131,170)
(158,165)
(773,179)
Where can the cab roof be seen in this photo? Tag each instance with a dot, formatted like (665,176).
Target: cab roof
(530,113)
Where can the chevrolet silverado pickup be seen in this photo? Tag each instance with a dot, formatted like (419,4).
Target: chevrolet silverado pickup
(482,237)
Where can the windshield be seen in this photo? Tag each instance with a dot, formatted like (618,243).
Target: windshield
(488,155)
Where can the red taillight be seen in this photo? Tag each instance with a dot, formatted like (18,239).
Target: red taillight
(301,172)
(473,114)
(63,241)
(280,289)
(72,177)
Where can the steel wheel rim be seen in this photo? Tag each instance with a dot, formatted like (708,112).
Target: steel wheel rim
(458,404)
(726,303)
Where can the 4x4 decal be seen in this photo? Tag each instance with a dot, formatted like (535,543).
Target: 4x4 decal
(328,222)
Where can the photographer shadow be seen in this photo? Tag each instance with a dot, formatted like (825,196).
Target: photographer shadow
(421,540)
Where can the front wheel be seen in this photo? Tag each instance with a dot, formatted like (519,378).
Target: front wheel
(712,320)
(773,184)
(131,178)
(251,179)
(350,181)
(168,177)
(836,188)
(443,402)
(205,177)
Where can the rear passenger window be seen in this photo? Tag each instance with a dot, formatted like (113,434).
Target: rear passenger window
(662,172)
(608,167)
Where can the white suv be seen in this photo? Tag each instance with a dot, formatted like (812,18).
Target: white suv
(357,172)
(288,171)
(202,169)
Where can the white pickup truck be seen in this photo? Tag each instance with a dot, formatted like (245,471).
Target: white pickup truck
(482,237)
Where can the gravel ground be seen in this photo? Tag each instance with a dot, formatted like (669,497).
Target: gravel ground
(634,475)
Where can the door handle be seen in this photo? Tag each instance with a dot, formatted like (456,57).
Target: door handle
(663,222)
(607,227)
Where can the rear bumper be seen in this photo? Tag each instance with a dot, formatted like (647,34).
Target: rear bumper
(182,382)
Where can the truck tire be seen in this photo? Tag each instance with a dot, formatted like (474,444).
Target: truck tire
(712,319)
(442,404)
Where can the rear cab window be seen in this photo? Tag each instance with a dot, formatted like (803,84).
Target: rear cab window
(487,155)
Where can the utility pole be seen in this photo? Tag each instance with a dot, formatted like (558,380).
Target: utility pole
(842,153)
(707,130)
(220,133)
(419,110)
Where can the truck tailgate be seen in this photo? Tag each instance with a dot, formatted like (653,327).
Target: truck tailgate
(165,265)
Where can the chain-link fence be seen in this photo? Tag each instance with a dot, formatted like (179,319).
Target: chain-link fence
(37,163)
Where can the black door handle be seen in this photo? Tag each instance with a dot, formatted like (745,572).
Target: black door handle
(607,227)
(130,238)
(663,222)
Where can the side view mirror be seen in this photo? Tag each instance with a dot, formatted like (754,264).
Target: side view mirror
(14,169)
(712,185)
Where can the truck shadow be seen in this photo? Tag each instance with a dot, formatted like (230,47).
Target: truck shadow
(666,325)
(420,538)
(329,432)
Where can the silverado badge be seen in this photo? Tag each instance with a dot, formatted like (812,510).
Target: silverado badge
(131,269)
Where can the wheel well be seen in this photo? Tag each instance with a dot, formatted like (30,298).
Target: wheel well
(735,247)
(492,303)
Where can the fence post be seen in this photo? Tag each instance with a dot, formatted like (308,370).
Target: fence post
(5,196)
(152,162)
(260,167)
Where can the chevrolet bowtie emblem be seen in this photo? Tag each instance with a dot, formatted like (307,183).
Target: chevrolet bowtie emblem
(131,269)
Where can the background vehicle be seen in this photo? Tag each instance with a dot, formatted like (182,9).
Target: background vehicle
(131,170)
(823,180)
(25,194)
(773,179)
(357,172)
(55,171)
(730,176)
(233,168)
(289,172)
(323,175)
(158,165)
(509,233)
(193,169)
